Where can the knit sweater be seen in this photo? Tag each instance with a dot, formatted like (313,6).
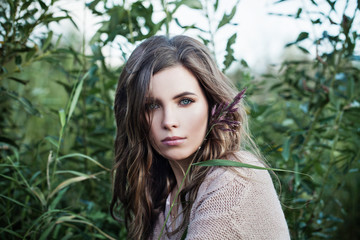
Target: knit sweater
(233,203)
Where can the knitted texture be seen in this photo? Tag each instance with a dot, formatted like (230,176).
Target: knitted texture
(233,203)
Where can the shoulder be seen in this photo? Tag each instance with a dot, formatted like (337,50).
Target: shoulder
(242,178)
(243,201)
(226,187)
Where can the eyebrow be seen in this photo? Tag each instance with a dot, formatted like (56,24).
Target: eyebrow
(175,97)
(183,94)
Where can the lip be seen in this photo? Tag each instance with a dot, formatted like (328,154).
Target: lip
(173,141)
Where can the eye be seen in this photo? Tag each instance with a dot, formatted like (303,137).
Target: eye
(186,101)
(152,106)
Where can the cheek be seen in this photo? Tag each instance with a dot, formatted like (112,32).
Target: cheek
(154,130)
(153,139)
(198,122)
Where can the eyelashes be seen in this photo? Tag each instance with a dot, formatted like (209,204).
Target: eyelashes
(183,102)
(151,106)
(186,101)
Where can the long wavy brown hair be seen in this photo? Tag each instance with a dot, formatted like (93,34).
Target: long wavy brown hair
(143,178)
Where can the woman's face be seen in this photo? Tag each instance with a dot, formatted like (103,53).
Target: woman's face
(178,110)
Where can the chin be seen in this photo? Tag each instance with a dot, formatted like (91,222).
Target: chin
(177,156)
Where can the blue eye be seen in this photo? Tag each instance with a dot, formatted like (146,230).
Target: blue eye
(152,106)
(186,101)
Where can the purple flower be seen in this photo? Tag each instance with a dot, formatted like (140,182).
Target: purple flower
(220,113)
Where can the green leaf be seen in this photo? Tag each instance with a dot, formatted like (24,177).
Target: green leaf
(71,181)
(67,88)
(244,63)
(76,96)
(14,201)
(45,234)
(332,4)
(23,101)
(72,21)
(92,5)
(55,19)
(205,41)
(304,50)
(71,219)
(47,41)
(62,117)
(18,60)
(216,4)
(30,54)
(227,18)
(302,36)
(286,150)
(313,2)
(5,176)
(51,140)
(71,155)
(229,58)
(57,43)
(34,176)
(37,192)
(193,26)
(194,4)
(11,232)
(25,5)
(19,80)
(76,173)
(317,21)
(280,1)
(229,163)
(57,199)
(297,176)
(43,5)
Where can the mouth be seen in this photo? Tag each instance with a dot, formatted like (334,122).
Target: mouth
(173,141)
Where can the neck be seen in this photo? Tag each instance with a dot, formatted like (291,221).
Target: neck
(179,168)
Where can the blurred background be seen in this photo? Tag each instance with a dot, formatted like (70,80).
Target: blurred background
(59,65)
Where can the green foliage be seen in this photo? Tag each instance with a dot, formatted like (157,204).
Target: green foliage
(312,127)
(55,174)
(57,127)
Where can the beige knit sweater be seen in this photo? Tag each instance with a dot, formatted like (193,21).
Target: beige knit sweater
(240,204)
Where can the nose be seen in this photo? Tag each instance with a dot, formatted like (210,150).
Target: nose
(170,119)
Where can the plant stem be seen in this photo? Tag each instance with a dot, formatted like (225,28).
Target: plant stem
(309,133)
(211,33)
(168,17)
(176,196)
(332,157)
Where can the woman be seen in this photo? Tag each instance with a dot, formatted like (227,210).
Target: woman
(167,96)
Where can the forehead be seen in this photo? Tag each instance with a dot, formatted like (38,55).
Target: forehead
(173,80)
